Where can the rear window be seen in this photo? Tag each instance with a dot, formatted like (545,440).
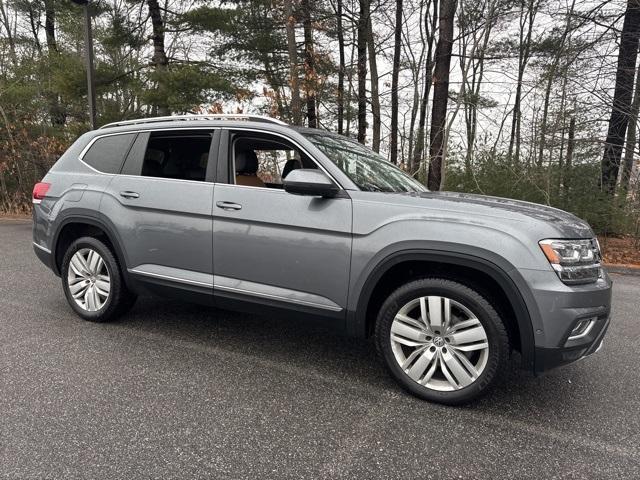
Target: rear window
(107,153)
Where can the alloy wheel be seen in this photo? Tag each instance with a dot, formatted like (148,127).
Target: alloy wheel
(88,279)
(439,343)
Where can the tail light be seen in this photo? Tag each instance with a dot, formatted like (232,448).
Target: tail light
(40,191)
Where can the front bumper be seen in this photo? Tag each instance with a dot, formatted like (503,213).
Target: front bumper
(559,309)
(548,358)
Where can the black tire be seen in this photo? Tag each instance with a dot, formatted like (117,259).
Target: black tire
(120,298)
(497,338)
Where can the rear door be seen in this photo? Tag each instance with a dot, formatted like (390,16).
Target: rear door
(161,206)
(271,247)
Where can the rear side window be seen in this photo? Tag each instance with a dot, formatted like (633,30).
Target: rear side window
(181,156)
(107,153)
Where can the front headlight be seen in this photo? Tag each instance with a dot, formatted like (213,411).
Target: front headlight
(575,261)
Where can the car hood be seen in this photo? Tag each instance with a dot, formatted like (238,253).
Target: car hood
(567,224)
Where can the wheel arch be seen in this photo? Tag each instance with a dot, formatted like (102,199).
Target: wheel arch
(75,225)
(362,317)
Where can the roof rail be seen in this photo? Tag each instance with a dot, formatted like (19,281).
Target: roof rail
(215,116)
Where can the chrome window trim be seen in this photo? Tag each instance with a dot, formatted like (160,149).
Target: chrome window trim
(266,189)
(128,132)
(226,127)
(84,151)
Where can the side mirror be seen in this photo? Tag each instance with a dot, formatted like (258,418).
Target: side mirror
(310,181)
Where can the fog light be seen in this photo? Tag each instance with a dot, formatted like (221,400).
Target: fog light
(582,328)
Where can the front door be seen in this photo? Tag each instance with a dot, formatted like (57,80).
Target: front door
(272,247)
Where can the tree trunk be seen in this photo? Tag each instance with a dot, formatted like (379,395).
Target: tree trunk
(441,94)
(50,25)
(159,59)
(12,44)
(341,69)
(550,82)
(395,75)
(309,65)
(375,96)
(363,21)
(523,59)
(57,112)
(621,97)
(294,82)
(34,23)
(350,89)
(630,144)
(420,140)
(571,142)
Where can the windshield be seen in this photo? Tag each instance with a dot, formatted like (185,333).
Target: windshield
(368,170)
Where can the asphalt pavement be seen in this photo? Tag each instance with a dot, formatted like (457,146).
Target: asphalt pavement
(174,390)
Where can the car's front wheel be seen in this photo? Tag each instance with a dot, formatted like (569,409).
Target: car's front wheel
(441,340)
(92,281)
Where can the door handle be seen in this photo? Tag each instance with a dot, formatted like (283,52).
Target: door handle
(228,206)
(129,194)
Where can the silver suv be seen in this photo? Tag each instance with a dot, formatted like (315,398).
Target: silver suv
(248,213)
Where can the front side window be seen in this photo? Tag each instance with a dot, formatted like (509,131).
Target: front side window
(265,161)
(177,156)
(368,170)
(107,154)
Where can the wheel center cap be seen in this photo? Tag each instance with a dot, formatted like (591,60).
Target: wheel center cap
(438,341)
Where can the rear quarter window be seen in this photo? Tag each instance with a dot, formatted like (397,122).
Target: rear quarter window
(107,154)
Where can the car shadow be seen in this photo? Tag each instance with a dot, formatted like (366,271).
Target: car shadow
(296,343)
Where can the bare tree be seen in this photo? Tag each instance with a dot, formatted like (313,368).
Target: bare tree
(528,12)
(309,64)
(622,96)
(375,92)
(159,59)
(341,66)
(363,23)
(440,94)
(292,49)
(630,143)
(397,48)
(430,25)
(50,25)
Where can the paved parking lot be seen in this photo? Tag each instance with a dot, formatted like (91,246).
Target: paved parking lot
(180,391)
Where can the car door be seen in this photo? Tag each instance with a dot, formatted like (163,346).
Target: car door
(161,205)
(274,248)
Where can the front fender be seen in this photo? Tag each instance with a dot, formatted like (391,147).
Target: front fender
(485,261)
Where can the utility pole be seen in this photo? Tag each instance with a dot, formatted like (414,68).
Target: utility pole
(88,57)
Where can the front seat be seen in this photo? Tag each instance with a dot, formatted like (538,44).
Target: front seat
(247,169)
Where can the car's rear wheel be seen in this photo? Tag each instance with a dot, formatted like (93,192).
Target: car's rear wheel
(442,340)
(92,281)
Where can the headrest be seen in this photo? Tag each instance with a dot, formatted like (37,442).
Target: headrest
(156,156)
(204,158)
(246,161)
